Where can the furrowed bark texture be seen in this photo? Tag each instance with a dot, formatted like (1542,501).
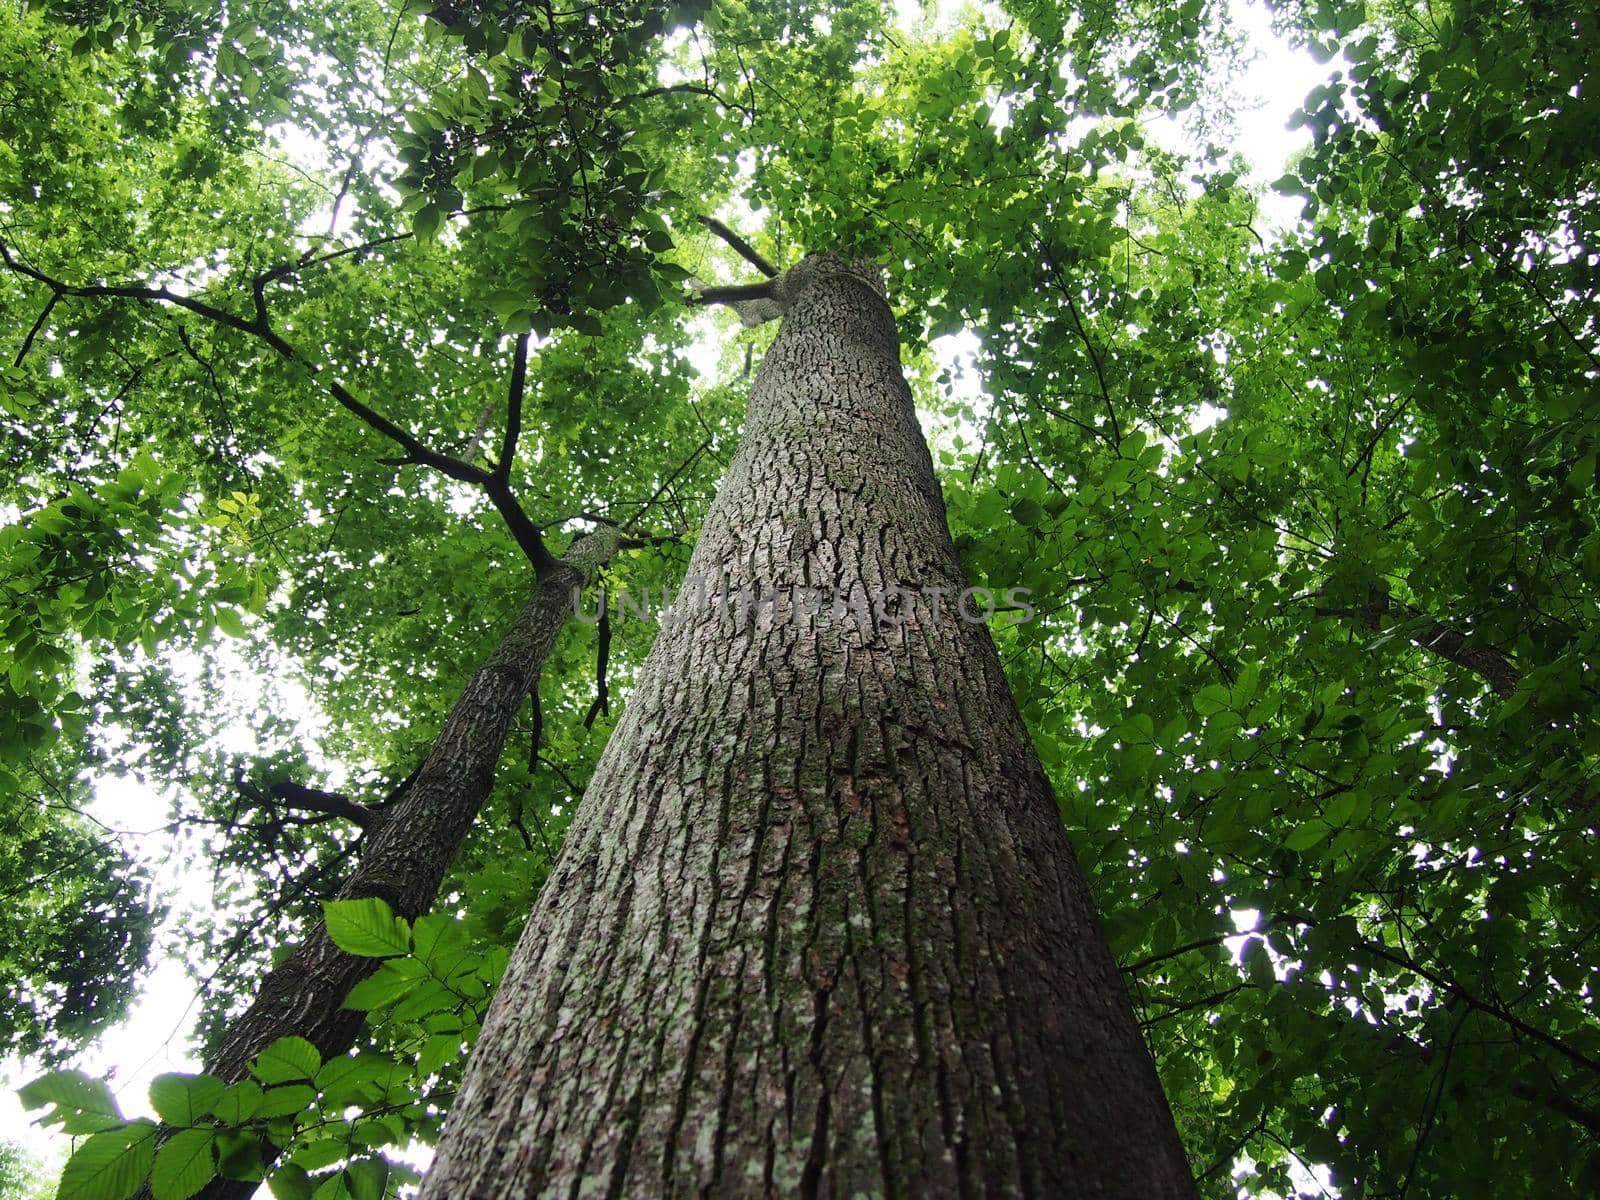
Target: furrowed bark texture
(817,930)
(407,856)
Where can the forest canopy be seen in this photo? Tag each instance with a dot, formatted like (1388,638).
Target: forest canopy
(331,332)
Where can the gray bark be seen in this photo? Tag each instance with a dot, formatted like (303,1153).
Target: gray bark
(817,930)
(408,854)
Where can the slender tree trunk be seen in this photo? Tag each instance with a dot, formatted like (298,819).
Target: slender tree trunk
(416,841)
(817,929)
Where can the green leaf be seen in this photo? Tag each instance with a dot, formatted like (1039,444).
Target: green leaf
(1027,512)
(183,1099)
(239,1155)
(286,1060)
(367,928)
(1307,835)
(367,1178)
(352,1078)
(112,1165)
(313,1156)
(286,1100)
(290,1182)
(438,1050)
(431,997)
(229,621)
(427,221)
(239,1103)
(72,1091)
(436,934)
(184,1164)
(379,990)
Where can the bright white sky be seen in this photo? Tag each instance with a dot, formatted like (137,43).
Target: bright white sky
(155,1036)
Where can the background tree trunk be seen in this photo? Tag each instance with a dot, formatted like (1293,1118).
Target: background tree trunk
(415,842)
(817,929)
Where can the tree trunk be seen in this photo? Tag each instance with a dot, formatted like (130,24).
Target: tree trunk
(817,929)
(416,841)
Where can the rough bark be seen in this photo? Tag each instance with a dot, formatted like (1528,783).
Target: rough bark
(408,854)
(817,930)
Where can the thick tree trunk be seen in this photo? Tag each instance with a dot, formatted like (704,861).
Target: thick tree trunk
(817,929)
(407,856)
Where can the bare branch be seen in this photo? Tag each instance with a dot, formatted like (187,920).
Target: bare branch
(519,384)
(287,794)
(38,324)
(473,446)
(737,294)
(746,251)
(602,689)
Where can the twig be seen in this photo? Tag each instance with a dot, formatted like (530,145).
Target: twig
(602,687)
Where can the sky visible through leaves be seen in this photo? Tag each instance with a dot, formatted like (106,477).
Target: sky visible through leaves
(153,1038)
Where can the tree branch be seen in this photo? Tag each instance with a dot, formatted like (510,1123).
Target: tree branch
(683,89)
(38,324)
(287,794)
(519,383)
(1088,344)
(602,688)
(746,251)
(739,293)
(259,327)
(523,530)
(1486,662)
(487,415)
(1538,1093)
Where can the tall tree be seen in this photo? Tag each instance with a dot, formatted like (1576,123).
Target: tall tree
(817,929)
(1308,516)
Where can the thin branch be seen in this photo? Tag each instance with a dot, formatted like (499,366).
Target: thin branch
(602,687)
(632,541)
(487,415)
(684,89)
(746,251)
(1488,663)
(519,383)
(287,794)
(1189,1006)
(1088,344)
(1199,944)
(1226,1158)
(259,328)
(498,489)
(667,483)
(38,324)
(308,260)
(1430,1106)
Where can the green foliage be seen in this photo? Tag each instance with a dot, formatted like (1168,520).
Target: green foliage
(21,1175)
(1310,523)
(331,1120)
